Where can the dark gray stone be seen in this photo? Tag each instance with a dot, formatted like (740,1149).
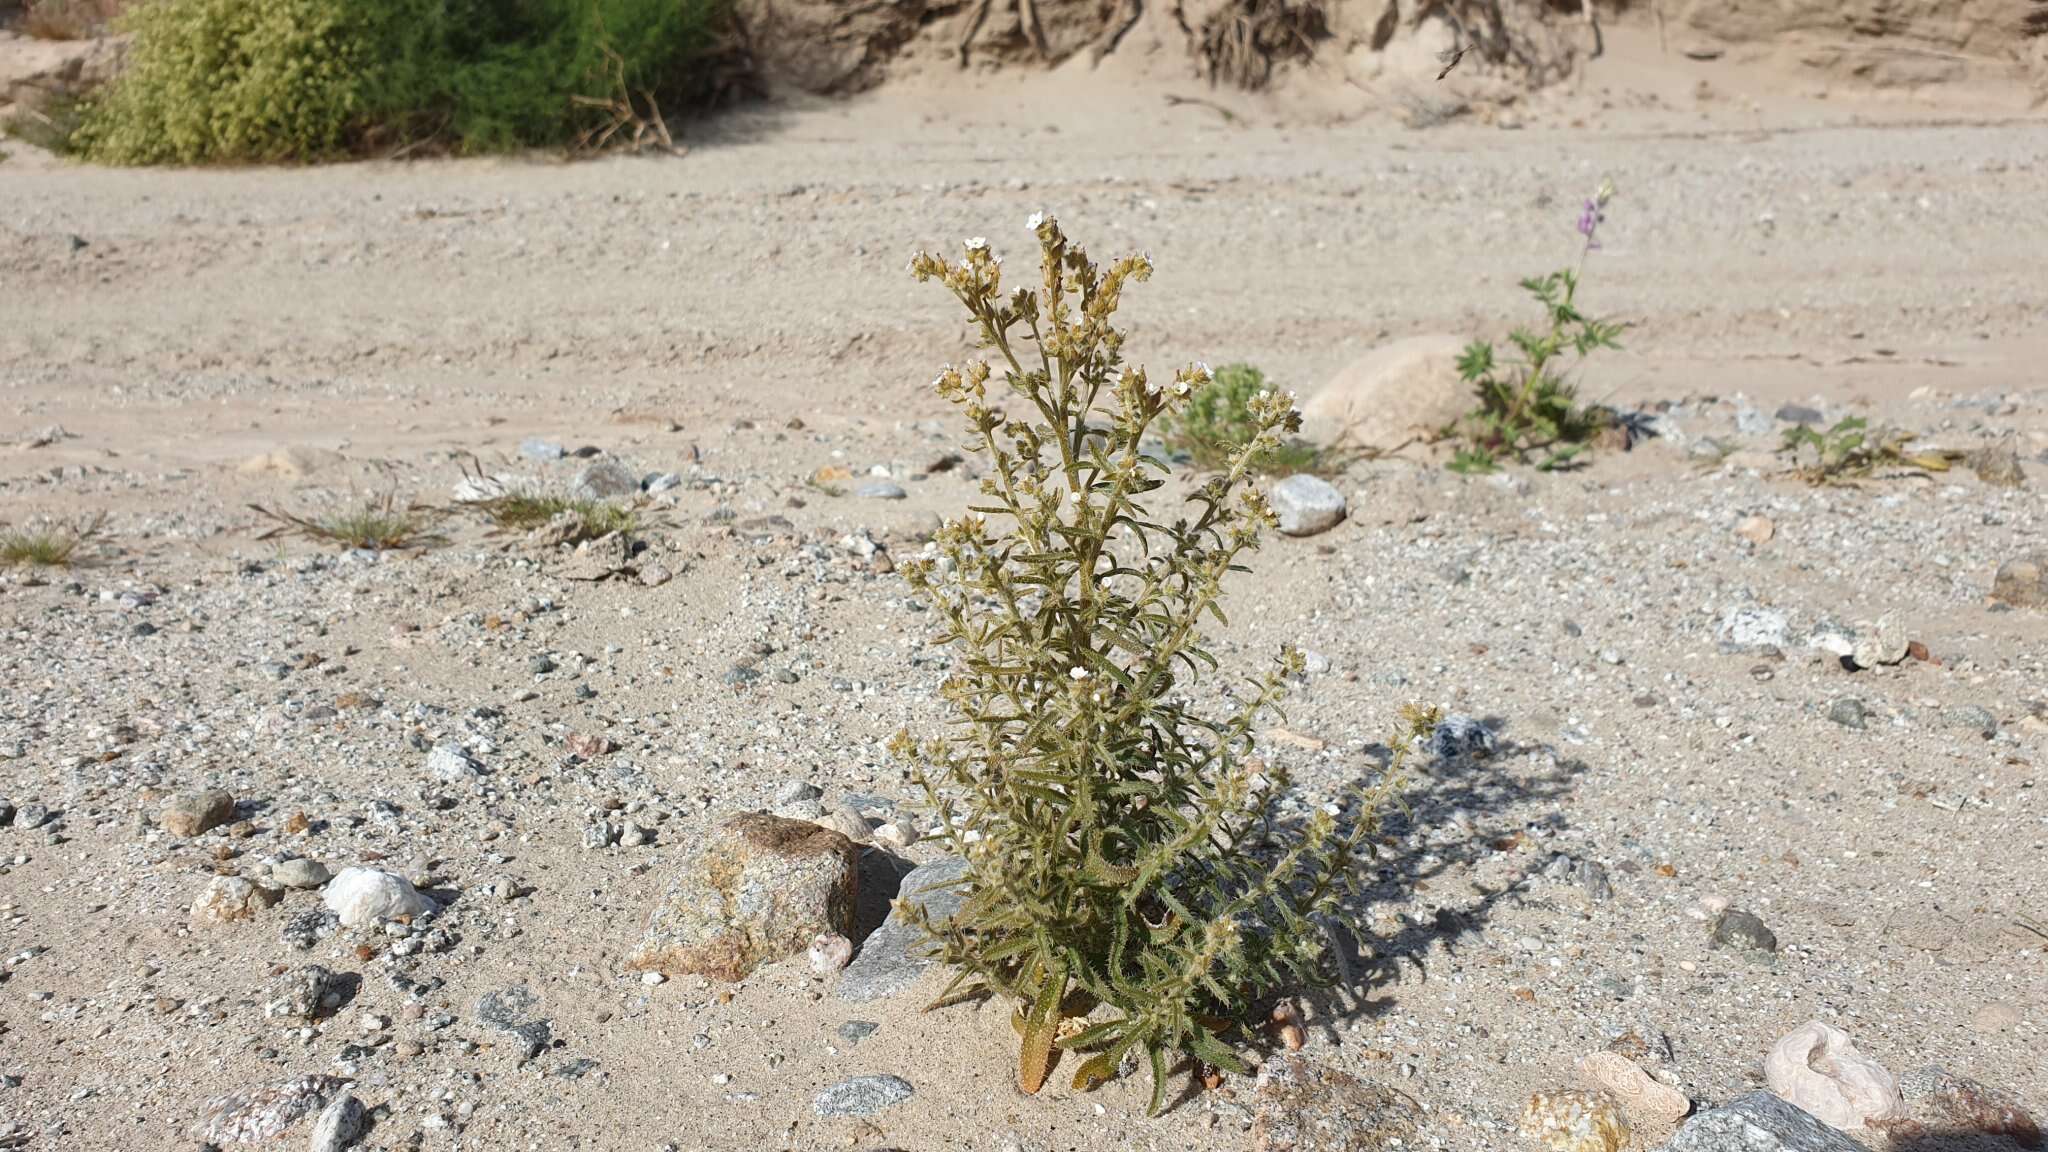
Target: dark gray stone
(862,1096)
(896,954)
(509,1010)
(881,490)
(1758,1122)
(1742,930)
(1799,414)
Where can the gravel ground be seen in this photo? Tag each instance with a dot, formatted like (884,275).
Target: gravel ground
(740,319)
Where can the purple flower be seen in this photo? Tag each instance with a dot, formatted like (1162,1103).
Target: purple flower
(1589,222)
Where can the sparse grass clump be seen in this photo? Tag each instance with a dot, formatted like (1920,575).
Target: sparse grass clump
(1851,450)
(1528,408)
(378,524)
(236,81)
(1132,883)
(48,543)
(1217,421)
(587,519)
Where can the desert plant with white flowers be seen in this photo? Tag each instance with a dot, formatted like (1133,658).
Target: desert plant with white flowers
(1132,881)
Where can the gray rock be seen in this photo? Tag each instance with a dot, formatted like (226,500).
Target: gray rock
(896,954)
(338,1126)
(2022,581)
(452,764)
(791,791)
(1593,881)
(1304,1106)
(1752,422)
(855,1031)
(1972,718)
(1758,1122)
(605,479)
(300,872)
(1735,928)
(31,815)
(1748,628)
(259,1114)
(543,451)
(862,1096)
(757,890)
(1458,737)
(191,813)
(300,994)
(881,490)
(1306,505)
(1848,711)
(662,482)
(1799,414)
(510,1010)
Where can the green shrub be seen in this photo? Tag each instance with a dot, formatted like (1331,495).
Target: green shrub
(269,80)
(1218,421)
(1133,881)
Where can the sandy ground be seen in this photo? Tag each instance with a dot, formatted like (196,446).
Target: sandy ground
(741,317)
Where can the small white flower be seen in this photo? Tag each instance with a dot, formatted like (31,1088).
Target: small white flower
(976,243)
(1037,218)
(1078,672)
(1180,388)
(1075,496)
(1202,370)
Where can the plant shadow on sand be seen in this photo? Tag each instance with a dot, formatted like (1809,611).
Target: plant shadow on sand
(1466,791)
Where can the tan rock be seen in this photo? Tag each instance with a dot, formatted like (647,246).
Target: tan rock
(226,899)
(1817,1068)
(1407,389)
(191,813)
(1653,1106)
(1756,529)
(1571,1121)
(760,889)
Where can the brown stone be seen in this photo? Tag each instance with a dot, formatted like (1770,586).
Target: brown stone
(759,890)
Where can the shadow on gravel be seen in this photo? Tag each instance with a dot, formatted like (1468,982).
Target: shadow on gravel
(1450,811)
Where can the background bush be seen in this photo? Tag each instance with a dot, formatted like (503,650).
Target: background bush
(269,80)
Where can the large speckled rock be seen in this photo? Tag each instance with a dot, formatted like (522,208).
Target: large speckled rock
(259,1114)
(896,954)
(1758,1122)
(759,890)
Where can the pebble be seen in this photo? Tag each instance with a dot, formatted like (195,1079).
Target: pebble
(2022,582)
(1756,529)
(1848,711)
(299,872)
(829,953)
(861,1096)
(1998,1016)
(604,479)
(189,814)
(1735,928)
(1747,628)
(655,575)
(31,815)
(1306,505)
(880,490)
(855,1031)
(451,764)
(1972,718)
(540,450)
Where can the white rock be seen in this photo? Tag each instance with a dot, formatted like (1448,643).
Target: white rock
(1306,505)
(1817,1068)
(339,1125)
(367,896)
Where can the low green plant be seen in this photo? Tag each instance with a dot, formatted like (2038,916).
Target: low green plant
(585,519)
(377,524)
(213,81)
(1217,421)
(1132,882)
(1851,450)
(1528,408)
(48,543)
